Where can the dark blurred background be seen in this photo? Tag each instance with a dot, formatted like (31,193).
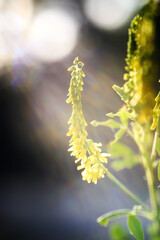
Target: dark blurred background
(42,193)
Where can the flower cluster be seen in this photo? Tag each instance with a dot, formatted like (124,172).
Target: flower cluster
(142,69)
(85,150)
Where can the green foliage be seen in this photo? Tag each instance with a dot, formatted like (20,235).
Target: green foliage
(121,125)
(134,224)
(106,218)
(109,123)
(124,155)
(124,116)
(118,232)
(111,115)
(135,227)
(154,232)
(118,135)
(124,96)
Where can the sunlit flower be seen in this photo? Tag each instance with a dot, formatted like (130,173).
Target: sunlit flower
(87,153)
(142,76)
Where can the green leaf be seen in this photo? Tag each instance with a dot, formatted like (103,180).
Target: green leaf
(118,232)
(111,115)
(95,123)
(106,218)
(124,163)
(124,96)
(126,157)
(118,135)
(124,116)
(135,227)
(109,123)
(120,150)
(159,171)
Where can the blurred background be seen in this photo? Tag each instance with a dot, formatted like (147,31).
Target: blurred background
(42,193)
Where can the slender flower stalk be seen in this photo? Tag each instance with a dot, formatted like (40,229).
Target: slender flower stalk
(126,190)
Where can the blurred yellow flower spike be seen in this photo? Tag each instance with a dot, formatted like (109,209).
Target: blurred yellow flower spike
(142,68)
(85,150)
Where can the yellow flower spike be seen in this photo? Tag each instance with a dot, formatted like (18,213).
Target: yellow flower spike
(87,153)
(139,90)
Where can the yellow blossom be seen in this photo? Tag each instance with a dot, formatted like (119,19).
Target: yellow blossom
(87,153)
(142,69)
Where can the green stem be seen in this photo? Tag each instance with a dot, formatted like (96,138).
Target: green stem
(148,167)
(154,204)
(150,174)
(125,189)
(150,181)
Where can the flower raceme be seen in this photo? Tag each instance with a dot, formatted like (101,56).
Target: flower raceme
(85,150)
(140,88)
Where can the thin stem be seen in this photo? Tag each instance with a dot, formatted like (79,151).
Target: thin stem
(154,204)
(125,189)
(149,172)
(150,181)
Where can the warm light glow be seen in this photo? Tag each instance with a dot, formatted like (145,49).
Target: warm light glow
(11,32)
(15,17)
(1,3)
(53,35)
(109,15)
(24,9)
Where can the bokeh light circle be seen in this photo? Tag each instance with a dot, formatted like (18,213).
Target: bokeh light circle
(53,35)
(107,14)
